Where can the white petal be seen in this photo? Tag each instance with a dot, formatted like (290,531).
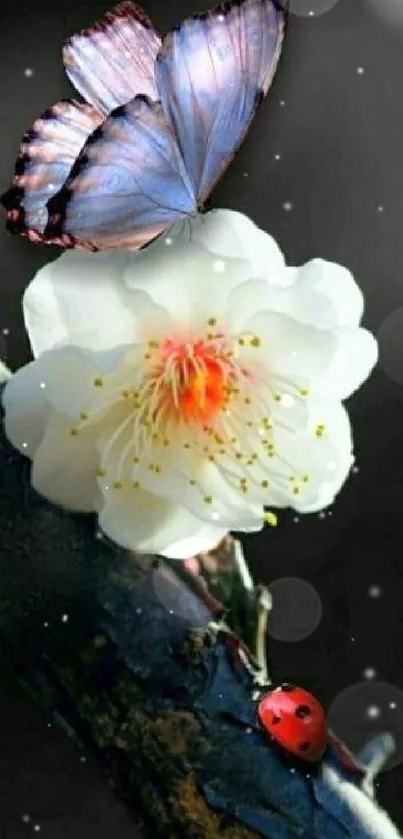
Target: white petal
(26,408)
(64,467)
(186,280)
(79,299)
(326,295)
(326,460)
(141,521)
(338,432)
(231,234)
(69,374)
(355,356)
(289,347)
(183,478)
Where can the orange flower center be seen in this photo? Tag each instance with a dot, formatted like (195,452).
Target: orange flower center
(195,378)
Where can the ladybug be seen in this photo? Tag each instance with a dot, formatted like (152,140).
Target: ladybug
(295,720)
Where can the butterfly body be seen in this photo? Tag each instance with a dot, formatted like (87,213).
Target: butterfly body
(161,123)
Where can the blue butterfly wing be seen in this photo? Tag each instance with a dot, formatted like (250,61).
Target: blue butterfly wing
(128,184)
(211,73)
(47,153)
(113,61)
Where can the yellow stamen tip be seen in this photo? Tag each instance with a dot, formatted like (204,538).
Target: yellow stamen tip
(270,518)
(255,342)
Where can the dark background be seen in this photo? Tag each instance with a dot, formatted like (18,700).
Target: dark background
(322,171)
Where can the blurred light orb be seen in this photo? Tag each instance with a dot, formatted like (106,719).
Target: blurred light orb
(390,11)
(296,610)
(311,8)
(390,342)
(366,709)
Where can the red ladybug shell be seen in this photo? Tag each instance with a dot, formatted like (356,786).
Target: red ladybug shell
(295,720)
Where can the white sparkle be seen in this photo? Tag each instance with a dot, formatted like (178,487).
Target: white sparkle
(215,516)
(374,591)
(373,712)
(296,519)
(46,624)
(24,445)
(360,71)
(221,18)
(28,72)
(288,206)
(287,400)
(369,673)
(392,706)
(380,208)
(277,157)
(6,331)
(355,469)
(65,618)
(42,385)
(246,174)
(282,103)
(168,241)
(219,266)
(83,759)
(37,828)
(26,818)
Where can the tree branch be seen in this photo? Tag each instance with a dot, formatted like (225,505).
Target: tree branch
(118,649)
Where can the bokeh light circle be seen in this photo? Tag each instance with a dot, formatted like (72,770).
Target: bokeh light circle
(311,8)
(390,11)
(366,709)
(390,341)
(296,610)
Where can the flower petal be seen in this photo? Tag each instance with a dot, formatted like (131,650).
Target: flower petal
(193,285)
(140,521)
(326,295)
(26,409)
(326,459)
(231,234)
(79,299)
(64,467)
(355,356)
(289,347)
(70,376)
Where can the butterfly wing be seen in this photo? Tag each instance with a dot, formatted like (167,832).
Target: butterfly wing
(113,61)
(212,72)
(128,184)
(47,154)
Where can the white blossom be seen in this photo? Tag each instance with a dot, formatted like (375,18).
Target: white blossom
(180,391)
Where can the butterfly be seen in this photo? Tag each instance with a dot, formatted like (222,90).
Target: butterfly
(161,122)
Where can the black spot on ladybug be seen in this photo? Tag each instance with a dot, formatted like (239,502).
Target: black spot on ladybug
(287,688)
(302,711)
(275,720)
(303,747)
